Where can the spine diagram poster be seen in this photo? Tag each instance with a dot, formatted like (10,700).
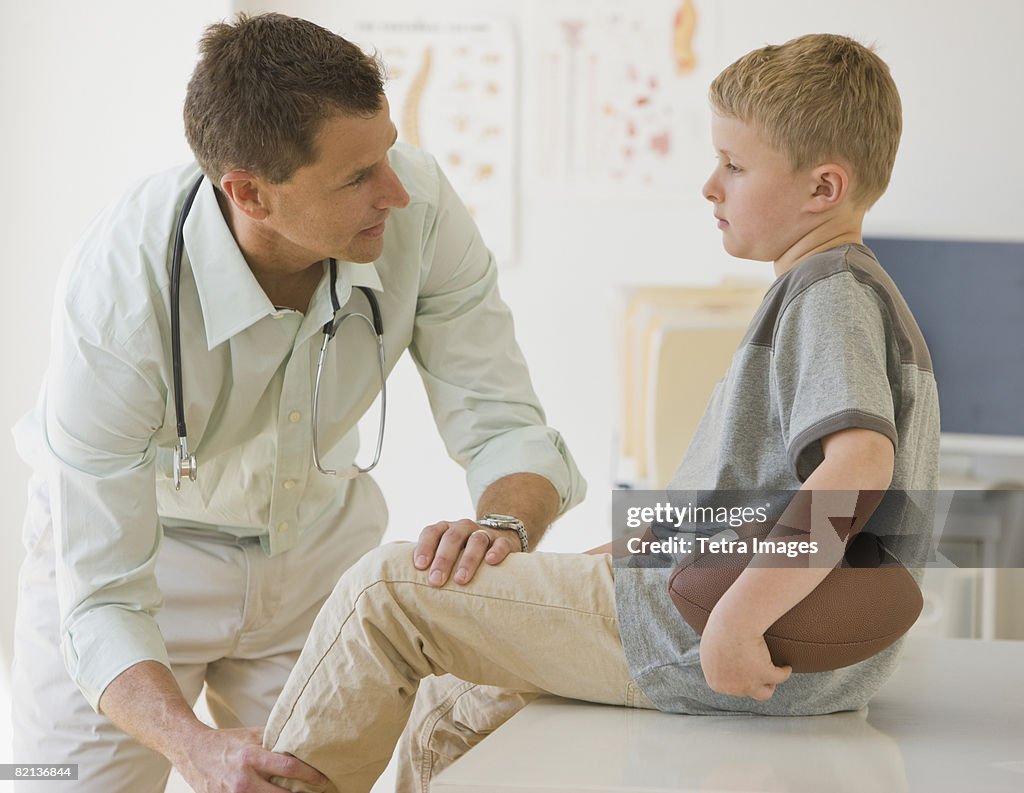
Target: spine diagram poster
(453,90)
(623,102)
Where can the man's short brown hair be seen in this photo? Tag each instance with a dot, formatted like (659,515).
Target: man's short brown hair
(818,97)
(262,87)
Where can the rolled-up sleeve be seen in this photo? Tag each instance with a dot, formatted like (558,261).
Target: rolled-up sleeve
(100,415)
(474,372)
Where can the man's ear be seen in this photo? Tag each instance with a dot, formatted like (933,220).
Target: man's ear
(245,191)
(831,186)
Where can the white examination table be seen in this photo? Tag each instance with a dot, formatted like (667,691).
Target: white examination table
(950,719)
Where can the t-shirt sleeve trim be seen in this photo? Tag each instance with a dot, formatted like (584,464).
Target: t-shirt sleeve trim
(843,420)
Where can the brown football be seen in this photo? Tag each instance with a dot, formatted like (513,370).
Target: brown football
(854,613)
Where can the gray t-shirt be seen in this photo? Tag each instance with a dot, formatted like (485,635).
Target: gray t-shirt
(832,346)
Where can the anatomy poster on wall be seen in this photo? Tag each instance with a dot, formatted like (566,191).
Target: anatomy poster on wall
(453,91)
(623,104)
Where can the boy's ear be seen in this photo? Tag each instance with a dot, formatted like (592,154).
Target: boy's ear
(831,186)
(244,191)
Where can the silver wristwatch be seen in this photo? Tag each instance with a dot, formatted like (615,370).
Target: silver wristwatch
(510,522)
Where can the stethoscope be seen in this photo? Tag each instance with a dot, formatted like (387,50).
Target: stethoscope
(185,464)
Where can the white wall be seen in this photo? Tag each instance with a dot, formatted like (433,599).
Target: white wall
(91,97)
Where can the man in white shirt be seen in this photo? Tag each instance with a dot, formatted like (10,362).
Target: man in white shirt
(305,205)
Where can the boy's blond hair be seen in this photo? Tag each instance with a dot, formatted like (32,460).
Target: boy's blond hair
(817,97)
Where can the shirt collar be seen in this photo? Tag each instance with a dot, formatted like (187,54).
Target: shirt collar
(350,275)
(229,294)
(230,297)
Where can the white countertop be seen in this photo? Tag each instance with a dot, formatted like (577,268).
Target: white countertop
(950,719)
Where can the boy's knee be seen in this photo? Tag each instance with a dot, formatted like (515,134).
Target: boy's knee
(389,562)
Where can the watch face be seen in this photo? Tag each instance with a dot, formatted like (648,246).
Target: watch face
(508,522)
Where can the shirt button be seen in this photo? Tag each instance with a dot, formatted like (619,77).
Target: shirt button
(288,484)
(276,314)
(283,526)
(294,417)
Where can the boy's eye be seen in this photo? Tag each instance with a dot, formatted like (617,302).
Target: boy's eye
(731,167)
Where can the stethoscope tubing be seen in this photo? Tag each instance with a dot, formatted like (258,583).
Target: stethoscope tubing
(179,244)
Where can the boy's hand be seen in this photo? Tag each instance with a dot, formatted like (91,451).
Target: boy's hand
(736,661)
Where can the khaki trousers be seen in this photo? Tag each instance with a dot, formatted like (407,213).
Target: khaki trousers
(535,623)
(449,717)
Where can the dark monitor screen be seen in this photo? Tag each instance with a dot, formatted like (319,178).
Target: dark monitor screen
(968,298)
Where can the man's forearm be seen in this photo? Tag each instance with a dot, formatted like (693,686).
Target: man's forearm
(146,702)
(529,497)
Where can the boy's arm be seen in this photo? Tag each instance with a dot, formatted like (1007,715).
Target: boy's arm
(733,653)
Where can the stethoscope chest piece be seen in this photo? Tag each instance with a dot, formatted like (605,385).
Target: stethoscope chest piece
(184,463)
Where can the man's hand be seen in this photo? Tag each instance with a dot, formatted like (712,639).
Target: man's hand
(234,761)
(736,661)
(466,542)
(146,702)
(531,498)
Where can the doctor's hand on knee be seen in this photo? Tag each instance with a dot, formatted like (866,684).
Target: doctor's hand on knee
(461,546)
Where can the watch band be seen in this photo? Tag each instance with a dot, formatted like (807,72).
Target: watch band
(510,523)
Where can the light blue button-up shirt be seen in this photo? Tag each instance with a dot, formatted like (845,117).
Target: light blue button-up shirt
(104,431)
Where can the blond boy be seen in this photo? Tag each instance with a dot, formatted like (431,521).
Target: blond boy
(830,390)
